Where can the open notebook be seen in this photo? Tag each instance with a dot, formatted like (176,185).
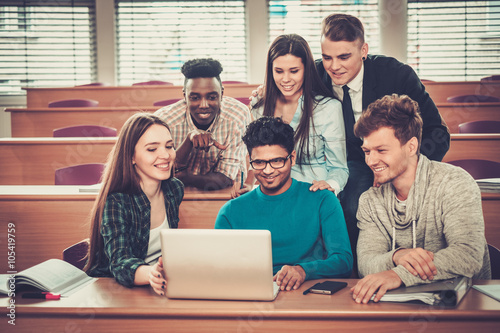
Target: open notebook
(218,264)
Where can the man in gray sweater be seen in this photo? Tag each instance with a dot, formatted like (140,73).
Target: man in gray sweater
(425,221)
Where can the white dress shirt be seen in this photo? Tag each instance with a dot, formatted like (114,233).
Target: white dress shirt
(355,91)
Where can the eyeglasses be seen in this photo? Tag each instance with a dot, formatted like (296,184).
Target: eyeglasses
(275,163)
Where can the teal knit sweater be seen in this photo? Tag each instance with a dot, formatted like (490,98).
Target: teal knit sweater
(307,228)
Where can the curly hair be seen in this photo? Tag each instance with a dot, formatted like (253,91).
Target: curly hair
(202,67)
(400,113)
(269,131)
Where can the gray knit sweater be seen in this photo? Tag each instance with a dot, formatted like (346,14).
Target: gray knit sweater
(442,214)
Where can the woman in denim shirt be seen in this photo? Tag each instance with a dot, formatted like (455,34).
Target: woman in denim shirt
(295,93)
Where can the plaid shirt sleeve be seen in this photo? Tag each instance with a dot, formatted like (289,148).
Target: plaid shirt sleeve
(117,228)
(125,231)
(174,192)
(236,119)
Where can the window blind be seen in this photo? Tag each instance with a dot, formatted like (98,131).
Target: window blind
(305,17)
(154,38)
(454,40)
(46,43)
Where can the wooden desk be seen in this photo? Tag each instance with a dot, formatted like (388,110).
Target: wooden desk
(48,219)
(474,146)
(33,161)
(491,215)
(39,122)
(106,306)
(121,96)
(455,114)
(440,91)
(146,95)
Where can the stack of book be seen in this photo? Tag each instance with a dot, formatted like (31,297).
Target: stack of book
(490,185)
(447,293)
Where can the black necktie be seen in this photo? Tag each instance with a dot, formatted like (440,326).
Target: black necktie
(348,113)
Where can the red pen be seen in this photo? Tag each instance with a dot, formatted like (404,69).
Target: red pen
(42,295)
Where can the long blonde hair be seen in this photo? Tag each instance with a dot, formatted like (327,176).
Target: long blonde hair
(119,177)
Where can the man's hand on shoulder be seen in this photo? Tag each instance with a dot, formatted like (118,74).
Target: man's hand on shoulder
(418,262)
(363,291)
(256,95)
(290,277)
(203,140)
(259,92)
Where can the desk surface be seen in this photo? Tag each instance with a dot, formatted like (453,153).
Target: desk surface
(33,161)
(48,219)
(440,91)
(105,304)
(474,146)
(49,192)
(121,95)
(40,121)
(133,95)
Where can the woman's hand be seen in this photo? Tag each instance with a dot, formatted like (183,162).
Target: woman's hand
(157,279)
(256,95)
(320,185)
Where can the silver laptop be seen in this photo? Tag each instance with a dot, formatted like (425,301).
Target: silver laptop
(218,264)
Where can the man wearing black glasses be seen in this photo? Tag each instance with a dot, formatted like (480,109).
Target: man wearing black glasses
(308,229)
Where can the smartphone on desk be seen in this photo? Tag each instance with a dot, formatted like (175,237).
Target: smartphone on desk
(326,287)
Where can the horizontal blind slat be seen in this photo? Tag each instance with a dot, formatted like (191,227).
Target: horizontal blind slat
(305,17)
(154,38)
(454,40)
(46,43)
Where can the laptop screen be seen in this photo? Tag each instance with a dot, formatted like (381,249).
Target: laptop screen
(218,264)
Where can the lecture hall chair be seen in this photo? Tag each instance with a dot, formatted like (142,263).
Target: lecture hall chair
(479,126)
(166,102)
(479,169)
(244,100)
(491,78)
(93,84)
(84,131)
(76,254)
(66,103)
(234,82)
(80,174)
(473,99)
(153,83)
(495,261)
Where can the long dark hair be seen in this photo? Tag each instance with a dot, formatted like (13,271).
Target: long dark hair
(119,176)
(311,87)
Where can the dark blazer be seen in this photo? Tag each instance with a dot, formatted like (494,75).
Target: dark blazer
(386,76)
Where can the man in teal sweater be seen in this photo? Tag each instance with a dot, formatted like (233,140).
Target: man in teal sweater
(309,235)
